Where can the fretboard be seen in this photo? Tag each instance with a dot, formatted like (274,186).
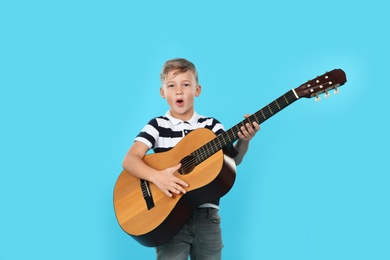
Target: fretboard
(231,135)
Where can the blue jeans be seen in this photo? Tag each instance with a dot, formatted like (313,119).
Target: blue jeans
(199,238)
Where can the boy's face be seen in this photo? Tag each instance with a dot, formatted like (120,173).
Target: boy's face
(180,90)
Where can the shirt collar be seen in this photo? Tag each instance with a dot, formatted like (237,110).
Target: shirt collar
(192,121)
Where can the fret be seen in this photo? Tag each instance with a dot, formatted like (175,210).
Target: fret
(199,155)
(270,110)
(230,136)
(276,101)
(273,107)
(285,99)
(219,141)
(214,145)
(267,111)
(205,151)
(263,115)
(208,150)
(256,119)
(196,155)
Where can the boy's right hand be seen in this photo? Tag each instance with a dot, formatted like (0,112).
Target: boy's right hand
(168,183)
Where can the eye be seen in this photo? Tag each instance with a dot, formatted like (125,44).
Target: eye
(170,85)
(187,84)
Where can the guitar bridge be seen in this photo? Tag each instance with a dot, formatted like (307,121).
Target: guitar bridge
(147,194)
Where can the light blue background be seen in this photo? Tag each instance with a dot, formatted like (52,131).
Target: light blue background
(79,79)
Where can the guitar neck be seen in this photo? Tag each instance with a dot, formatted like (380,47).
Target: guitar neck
(231,135)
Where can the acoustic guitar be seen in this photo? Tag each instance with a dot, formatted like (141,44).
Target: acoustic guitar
(150,216)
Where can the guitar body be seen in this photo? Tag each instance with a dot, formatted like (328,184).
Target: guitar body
(209,180)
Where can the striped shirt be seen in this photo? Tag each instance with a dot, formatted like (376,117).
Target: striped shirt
(164,132)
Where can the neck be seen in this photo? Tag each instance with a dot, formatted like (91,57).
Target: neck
(184,117)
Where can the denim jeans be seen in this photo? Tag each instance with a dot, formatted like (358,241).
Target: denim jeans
(200,238)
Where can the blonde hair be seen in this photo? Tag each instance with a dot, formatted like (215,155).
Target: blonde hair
(180,64)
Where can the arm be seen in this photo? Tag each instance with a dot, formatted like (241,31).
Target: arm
(164,180)
(246,134)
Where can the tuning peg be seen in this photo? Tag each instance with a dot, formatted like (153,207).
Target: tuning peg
(336,90)
(317,98)
(327,94)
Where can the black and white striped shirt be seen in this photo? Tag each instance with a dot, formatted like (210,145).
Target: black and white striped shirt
(164,132)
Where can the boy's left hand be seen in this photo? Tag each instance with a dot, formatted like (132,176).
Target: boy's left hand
(249,130)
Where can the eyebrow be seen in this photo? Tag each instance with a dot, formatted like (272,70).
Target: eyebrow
(183,81)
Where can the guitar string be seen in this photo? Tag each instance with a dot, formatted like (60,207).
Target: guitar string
(203,153)
(264,113)
(273,108)
(267,112)
(232,135)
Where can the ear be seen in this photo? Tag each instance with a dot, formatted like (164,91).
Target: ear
(198,90)
(162,93)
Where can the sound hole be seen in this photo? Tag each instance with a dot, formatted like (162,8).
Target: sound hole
(188,163)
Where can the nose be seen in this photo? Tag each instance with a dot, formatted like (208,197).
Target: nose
(179,90)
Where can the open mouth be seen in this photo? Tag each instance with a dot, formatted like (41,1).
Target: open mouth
(179,102)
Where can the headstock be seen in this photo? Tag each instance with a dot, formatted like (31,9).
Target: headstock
(322,84)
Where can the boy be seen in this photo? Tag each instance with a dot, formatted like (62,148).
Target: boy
(201,236)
